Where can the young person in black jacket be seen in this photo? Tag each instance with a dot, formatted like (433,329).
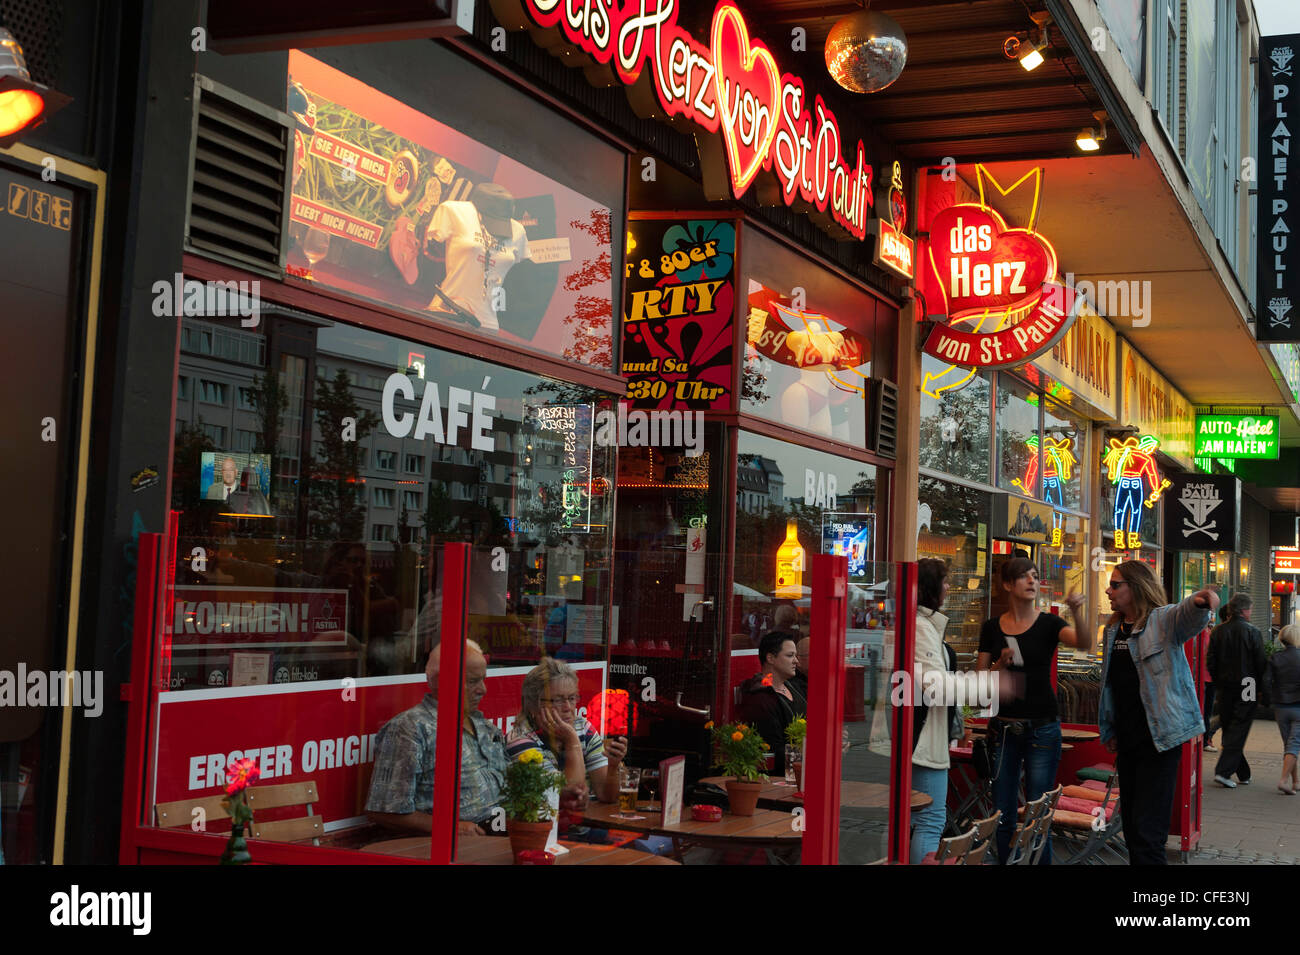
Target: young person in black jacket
(770,700)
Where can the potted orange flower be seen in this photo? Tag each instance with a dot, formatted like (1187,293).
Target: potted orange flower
(527,803)
(739,753)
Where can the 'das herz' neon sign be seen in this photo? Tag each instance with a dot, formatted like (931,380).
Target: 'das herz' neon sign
(995,285)
(732,87)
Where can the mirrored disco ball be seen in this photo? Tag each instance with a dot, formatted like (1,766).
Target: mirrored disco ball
(866,51)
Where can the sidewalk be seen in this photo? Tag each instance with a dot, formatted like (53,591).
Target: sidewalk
(1249,825)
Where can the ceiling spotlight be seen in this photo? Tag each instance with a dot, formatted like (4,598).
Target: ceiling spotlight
(1031,53)
(866,51)
(24,105)
(1091,138)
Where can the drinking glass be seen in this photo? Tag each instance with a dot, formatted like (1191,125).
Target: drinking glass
(791,754)
(315,245)
(650,780)
(629,783)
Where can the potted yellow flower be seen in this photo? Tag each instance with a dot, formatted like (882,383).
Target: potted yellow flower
(526,801)
(739,753)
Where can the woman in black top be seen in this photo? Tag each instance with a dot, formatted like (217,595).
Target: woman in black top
(1282,684)
(1020,645)
(771,699)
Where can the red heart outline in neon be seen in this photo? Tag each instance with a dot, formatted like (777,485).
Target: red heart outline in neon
(730,63)
(1007,245)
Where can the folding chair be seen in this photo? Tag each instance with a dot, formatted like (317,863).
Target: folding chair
(1043,830)
(1023,841)
(1089,841)
(952,851)
(984,830)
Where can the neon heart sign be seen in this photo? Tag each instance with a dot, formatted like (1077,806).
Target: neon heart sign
(994,284)
(748,86)
(733,88)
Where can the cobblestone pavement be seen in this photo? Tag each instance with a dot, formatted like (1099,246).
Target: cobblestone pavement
(1249,825)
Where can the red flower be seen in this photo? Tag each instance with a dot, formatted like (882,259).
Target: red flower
(767,680)
(240,775)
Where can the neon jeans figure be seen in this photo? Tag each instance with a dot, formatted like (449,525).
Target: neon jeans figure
(1058,464)
(1131,466)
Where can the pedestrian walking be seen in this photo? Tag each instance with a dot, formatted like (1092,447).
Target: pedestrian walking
(1207,684)
(1282,684)
(1237,663)
(1148,705)
(1021,645)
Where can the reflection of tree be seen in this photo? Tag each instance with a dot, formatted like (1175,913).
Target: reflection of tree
(439,515)
(338,497)
(270,398)
(1013,451)
(591,319)
(956,438)
(187,466)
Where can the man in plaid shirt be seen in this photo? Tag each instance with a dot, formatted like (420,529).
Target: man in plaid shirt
(401,788)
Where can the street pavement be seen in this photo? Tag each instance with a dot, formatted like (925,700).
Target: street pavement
(1249,825)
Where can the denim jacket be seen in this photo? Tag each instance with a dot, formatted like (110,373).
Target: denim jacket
(1164,677)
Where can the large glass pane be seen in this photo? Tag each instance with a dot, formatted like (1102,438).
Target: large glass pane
(813,341)
(1017,447)
(309,572)
(1065,437)
(954,527)
(955,405)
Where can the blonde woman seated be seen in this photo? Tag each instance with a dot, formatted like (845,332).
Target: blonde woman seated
(549,722)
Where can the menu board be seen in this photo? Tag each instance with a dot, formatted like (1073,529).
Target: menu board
(679,299)
(394,206)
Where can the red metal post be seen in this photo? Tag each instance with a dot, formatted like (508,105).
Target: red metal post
(821,838)
(143,627)
(900,758)
(451,683)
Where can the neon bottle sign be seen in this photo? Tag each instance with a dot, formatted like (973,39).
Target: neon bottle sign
(733,87)
(1131,467)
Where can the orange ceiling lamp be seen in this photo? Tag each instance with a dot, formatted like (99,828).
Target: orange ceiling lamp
(24,105)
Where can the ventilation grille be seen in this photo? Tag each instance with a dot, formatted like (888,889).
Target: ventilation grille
(237,180)
(884,418)
(38,28)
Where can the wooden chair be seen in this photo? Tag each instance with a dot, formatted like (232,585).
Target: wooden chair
(1043,830)
(1087,839)
(1022,842)
(985,830)
(951,851)
(173,815)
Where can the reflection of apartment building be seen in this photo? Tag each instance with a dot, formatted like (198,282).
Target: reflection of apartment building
(220,369)
(759,484)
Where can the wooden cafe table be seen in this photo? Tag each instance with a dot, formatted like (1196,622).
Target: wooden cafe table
(494,850)
(765,829)
(854,794)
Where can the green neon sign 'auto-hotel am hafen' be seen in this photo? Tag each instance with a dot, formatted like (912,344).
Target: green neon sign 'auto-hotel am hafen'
(1237,436)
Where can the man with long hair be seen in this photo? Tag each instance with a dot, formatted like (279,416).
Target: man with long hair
(1148,703)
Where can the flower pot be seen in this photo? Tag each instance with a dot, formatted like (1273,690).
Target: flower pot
(743,796)
(527,835)
(236,848)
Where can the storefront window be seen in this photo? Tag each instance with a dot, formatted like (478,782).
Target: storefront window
(306,597)
(953,526)
(1018,439)
(1065,438)
(395,206)
(813,342)
(955,419)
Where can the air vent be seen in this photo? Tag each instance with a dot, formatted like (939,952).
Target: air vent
(884,418)
(238,200)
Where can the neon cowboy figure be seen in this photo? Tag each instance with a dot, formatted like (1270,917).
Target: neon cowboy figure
(1058,463)
(1131,466)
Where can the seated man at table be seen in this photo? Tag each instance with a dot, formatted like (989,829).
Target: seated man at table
(401,788)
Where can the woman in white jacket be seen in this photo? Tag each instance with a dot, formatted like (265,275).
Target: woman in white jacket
(931,738)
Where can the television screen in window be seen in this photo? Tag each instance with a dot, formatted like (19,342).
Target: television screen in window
(223,473)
